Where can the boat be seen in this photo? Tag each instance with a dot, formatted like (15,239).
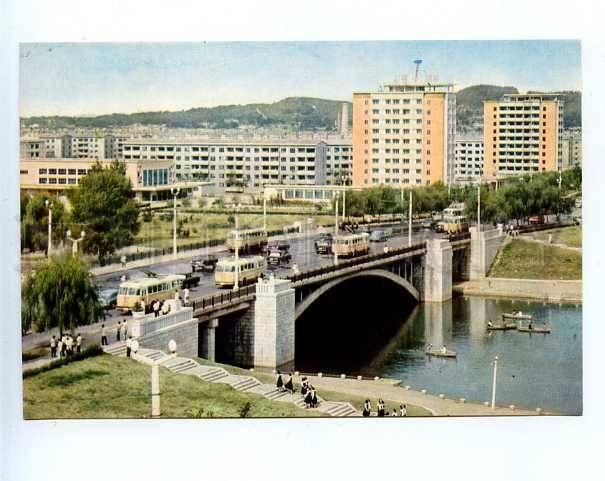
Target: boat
(517,315)
(536,329)
(501,327)
(438,353)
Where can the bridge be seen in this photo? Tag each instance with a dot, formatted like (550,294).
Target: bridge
(258,321)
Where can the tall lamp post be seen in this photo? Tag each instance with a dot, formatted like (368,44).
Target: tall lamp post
(175,191)
(75,242)
(410,221)
(49,206)
(236,282)
(335,240)
(494,382)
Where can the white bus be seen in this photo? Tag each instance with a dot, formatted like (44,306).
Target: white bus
(148,289)
(250,269)
(351,245)
(247,240)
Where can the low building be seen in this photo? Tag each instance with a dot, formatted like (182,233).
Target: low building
(313,194)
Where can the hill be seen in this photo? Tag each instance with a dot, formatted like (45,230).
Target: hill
(305,113)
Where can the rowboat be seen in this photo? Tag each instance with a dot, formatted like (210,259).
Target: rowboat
(518,315)
(438,353)
(537,330)
(501,327)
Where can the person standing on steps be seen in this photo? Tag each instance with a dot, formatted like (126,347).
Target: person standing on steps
(308,399)
(103,335)
(124,329)
(314,400)
(118,329)
(128,346)
(367,409)
(279,384)
(53,347)
(289,384)
(304,388)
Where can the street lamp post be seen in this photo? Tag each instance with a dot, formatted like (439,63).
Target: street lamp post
(479,209)
(410,222)
(175,192)
(334,249)
(49,206)
(494,382)
(236,239)
(75,242)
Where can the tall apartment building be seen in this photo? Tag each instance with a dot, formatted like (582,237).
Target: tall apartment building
(403,134)
(252,162)
(522,134)
(43,147)
(468,160)
(86,146)
(571,146)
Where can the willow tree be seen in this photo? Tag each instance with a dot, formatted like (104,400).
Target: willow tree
(59,294)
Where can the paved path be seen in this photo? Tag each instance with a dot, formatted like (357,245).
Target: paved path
(386,390)
(528,237)
(216,374)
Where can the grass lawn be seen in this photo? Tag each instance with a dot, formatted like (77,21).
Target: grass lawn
(109,387)
(356,401)
(158,232)
(529,260)
(570,236)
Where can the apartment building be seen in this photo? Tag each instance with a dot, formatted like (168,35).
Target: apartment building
(468,159)
(252,163)
(571,148)
(403,135)
(42,147)
(522,134)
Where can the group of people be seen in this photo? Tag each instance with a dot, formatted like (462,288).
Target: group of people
(160,307)
(511,231)
(64,346)
(381,410)
(306,389)
(121,330)
(443,349)
(132,346)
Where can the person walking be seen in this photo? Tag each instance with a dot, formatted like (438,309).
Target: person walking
(103,335)
(128,346)
(289,384)
(314,400)
(69,346)
(124,329)
(118,329)
(403,410)
(367,409)
(63,345)
(53,347)
(308,399)
(156,308)
(134,346)
(79,343)
(279,384)
(60,347)
(304,388)
(380,408)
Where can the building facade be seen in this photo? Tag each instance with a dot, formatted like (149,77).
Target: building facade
(404,134)
(249,163)
(522,134)
(571,146)
(468,160)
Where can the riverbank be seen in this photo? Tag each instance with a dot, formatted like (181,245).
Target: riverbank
(536,289)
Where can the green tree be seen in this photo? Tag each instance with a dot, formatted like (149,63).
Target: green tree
(59,294)
(34,221)
(104,203)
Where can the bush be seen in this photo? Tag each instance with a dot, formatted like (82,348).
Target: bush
(90,351)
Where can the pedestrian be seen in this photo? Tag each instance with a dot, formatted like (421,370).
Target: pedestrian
(289,384)
(118,329)
(123,261)
(308,399)
(367,409)
(143,306)
(124,329)
(128,346)
(53,347)
(103,335)
(279,384)
(79,343)
(305,386)
(69,345)
(156,308)
(165,308)
(380,408)
(63,345)
(314,400)
(394,413)
(186,296)
(60,347)
(403,410)
(134,346)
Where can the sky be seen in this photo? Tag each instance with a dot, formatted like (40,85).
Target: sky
(93,79)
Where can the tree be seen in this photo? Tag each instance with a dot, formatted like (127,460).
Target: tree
(34,221)
(59,294)
(104,203)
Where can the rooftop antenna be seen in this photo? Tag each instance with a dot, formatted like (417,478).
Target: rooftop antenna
(417,62)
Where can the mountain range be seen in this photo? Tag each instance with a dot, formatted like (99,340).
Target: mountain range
(301,113)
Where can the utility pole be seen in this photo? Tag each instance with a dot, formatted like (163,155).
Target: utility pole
(344,202)
(410,221)
(155,390)
(479,208)
(175,192)
(335,233)
(49,206)
(264,212)
(494,382)
(236,282)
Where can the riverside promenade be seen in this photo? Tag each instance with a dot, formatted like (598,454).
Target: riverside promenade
(389,390)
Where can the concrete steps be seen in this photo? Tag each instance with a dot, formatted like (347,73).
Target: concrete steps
(185,365)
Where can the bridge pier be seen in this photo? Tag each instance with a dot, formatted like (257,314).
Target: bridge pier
(437,271)
(208,350)
(274,323)
(484,247)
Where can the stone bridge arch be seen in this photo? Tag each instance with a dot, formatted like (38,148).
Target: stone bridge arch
(324,288)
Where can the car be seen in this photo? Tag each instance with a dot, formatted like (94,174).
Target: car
(108,297)
(190,281)
(378,236)
(206,264)
(428,224)
(276,257)
(281,245)
(323,244)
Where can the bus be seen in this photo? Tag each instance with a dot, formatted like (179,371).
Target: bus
(454,221)
(145,290)
(247,240)
(250,269)
(351,245)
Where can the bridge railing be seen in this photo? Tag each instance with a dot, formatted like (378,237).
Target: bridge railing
(458,237)
(352,263)
(222,298)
